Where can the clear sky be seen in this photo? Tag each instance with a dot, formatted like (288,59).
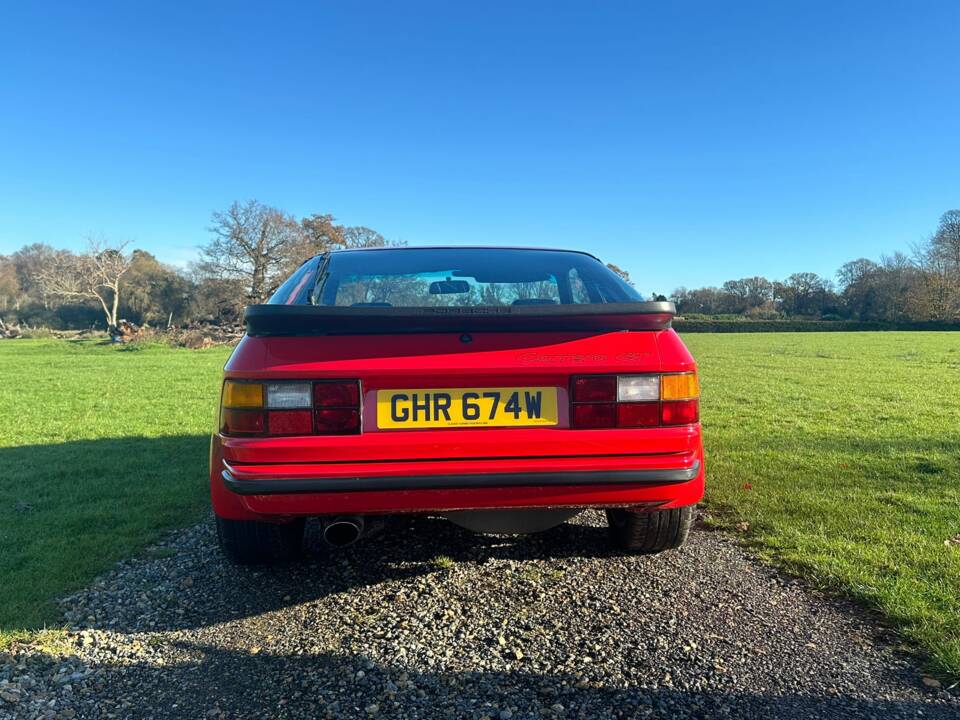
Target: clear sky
(687,142)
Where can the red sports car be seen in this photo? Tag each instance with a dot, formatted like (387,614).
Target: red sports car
(505,389)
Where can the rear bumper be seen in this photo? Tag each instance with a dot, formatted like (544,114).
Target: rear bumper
(233,480)
(278,490)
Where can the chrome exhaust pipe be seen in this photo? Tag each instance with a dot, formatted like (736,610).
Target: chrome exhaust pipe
(343,531)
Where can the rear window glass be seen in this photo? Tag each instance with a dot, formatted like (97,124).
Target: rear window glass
(298,287)
(429,277)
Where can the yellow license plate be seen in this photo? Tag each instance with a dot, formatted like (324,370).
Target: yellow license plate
(466,407)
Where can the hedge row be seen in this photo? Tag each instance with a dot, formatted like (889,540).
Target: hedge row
(741,326)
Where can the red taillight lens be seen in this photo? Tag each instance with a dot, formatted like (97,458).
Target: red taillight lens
(644,400)
(681,412)
(338,421)
(241,422)
(290,407)
(336,394)
(595,388)
(290,422)
(594,415)
(639,414)
(337,406)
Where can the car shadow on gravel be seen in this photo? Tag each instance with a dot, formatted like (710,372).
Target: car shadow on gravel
(424,619)
(213,682)
(185,582)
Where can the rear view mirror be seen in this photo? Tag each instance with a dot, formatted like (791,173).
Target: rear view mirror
(449,287)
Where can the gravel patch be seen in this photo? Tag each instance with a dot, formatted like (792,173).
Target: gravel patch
(425,620)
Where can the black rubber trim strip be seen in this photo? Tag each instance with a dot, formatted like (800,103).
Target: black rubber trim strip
(302,320)
(452,482)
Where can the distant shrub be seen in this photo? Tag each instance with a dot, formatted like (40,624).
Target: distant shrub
(194,339)
(39,333)
(767,312)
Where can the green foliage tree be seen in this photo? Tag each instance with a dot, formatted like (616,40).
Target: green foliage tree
(155,293)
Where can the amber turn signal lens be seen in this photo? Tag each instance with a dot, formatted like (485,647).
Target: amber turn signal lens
(242,395)
(683,386)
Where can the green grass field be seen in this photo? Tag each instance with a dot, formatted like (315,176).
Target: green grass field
(101,449)
(841,451)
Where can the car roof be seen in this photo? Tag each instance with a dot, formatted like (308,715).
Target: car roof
(462,247)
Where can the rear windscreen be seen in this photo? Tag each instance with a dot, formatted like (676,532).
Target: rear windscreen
(431,277)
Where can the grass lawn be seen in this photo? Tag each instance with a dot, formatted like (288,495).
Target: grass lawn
(101,449)
(840,450)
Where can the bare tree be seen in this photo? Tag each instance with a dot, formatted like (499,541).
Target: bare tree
(933,298)
(946,241)
(251,242)
(364,237)
(91,275)
(945,247)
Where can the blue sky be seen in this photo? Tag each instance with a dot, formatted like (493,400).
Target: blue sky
(688,142)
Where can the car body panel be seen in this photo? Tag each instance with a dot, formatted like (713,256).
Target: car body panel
(449,360)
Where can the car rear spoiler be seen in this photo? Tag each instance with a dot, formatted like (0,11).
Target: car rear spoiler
(293,320)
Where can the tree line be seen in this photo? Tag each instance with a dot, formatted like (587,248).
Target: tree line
(923,286)
(252,247)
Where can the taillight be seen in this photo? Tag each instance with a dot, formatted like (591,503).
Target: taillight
(241,422)
(324,407)
(242,395)
(680,412)
(595,388)
(288,395)
(638,414)
(337,404)
(679,386)
(594,415)
(290,422)
(338,421)
(337,393)
(636,401)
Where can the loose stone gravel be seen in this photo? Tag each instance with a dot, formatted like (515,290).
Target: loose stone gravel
(425,620)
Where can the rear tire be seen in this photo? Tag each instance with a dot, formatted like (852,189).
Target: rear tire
(248,542)
(649,532)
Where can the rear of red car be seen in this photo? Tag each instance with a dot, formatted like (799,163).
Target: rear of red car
(506,389)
